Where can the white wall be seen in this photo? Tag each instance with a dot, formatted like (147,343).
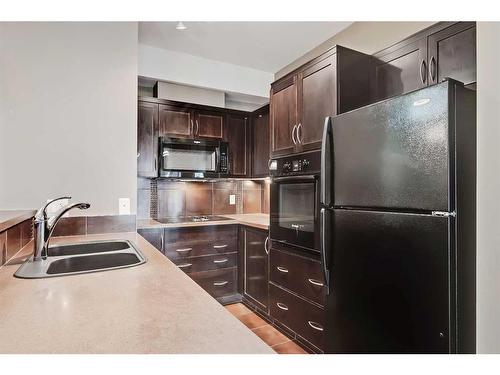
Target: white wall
(176,67)
(488,187)
(189,94)
(68,113)
(366,37)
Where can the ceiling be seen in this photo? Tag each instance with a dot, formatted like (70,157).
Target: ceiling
(266,46)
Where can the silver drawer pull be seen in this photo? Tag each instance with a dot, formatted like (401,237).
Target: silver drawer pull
(282,306)
(220,246)
(221,260)
(185,265)
(184,250)
(220,283)
(282,269)
(315,325)
(316,282)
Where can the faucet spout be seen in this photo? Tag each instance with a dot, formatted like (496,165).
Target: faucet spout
(44,227)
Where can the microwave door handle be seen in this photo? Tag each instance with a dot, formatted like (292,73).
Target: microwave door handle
(326,157)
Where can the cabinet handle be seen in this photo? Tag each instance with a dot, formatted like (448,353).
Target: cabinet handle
(432,68)
(293,134)
(192,126)
(265,245)
(184,250)
(162,240)
(315,326)
(185,265)
(299,133)
(423,71)
(220,260)
(220,283)
(282,306)
(315,282)
(220,246)
(197,127)
(138,155)
(282,269)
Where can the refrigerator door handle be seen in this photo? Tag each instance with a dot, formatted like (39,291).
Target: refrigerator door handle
(324,249)
(326,150)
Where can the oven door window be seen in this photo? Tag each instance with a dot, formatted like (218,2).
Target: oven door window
(294,212)
(189,158)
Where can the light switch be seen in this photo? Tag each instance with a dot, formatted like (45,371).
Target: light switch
(124,206)
(232,199)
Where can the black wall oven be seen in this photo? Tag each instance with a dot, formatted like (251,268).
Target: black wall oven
(192,158)
(294,201)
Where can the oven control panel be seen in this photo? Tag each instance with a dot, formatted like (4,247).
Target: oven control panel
(296,164)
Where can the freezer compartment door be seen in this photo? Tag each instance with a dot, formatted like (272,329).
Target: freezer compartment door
(388,283)
(395,154)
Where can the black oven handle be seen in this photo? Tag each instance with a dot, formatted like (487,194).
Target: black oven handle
(296,178)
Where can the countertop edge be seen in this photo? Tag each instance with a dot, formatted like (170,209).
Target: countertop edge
(17,218)
(152,223)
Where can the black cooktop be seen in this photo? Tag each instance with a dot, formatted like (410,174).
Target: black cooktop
(191,219)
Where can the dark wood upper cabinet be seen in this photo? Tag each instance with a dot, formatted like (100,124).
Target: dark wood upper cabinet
(316,101)
(452,53)
(237,135)
(176,122)
(147,139)
(260,142)
(444,50)
(335,82)
(283,116)
(208,125)
(256,266)
(401,70)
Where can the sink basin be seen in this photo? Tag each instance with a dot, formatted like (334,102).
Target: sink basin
(82,257)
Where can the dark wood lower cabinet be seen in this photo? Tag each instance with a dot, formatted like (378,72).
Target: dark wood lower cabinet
(14,239)
(255,266)
(208,254)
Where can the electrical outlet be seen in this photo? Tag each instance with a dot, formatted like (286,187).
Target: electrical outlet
(232,199)
(56,206)
(124,206)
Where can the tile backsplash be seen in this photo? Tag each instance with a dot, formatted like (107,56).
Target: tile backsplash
(163,198)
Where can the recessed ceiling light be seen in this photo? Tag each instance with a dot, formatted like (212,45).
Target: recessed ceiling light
(180,26)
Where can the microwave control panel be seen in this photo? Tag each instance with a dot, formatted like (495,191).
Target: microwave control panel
(223,167)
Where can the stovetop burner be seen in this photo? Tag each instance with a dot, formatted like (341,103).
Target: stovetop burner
(191,219)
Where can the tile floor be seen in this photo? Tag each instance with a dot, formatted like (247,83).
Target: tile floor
(270,335)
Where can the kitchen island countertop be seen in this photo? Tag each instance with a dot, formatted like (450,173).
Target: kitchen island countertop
(151,308)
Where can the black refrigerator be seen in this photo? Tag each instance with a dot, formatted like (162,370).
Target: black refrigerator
(398,214)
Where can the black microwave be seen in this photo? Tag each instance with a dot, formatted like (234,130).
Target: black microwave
(192,158)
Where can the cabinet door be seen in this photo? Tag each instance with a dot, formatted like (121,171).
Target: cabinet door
(401,71)
(260,143)
(175,122)
(452,53)
(283,117)
(154,236)
(256,266)
(238,139)
(208,125)
(316,101)
(147,139)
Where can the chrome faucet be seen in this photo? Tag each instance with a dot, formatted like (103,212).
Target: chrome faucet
(44,226)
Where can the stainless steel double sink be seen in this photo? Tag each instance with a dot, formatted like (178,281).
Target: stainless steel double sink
(81,258)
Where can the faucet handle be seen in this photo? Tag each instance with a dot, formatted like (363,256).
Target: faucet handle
(42,212)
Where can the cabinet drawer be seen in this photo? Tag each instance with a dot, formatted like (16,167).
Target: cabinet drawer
(202,233)
(217,283)
(301,275)
(188,249)
(306,319)
(207,263)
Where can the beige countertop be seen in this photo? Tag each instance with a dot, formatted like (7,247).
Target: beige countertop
(9,218)
(151,308)
(260,221)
